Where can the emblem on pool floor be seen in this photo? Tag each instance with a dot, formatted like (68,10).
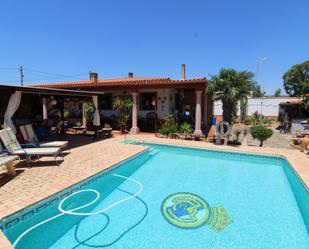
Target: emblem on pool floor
(187,210)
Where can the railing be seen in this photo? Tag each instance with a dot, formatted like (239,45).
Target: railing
(137,140)
(125,135)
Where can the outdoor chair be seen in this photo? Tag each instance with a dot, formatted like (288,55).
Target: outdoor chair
(58,129)
(30,137)
(103,132)
(14,148)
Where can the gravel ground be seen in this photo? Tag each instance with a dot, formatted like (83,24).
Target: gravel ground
(278,140)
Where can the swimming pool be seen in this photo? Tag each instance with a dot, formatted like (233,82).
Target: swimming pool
(174,197)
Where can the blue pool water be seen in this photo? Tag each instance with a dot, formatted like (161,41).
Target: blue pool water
(236,201)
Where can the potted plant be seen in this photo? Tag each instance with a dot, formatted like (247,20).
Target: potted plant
(66,114)
(186,129)
(89,112)
(123,106)
(168,126)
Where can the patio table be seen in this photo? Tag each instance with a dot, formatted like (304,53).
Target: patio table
(78,129)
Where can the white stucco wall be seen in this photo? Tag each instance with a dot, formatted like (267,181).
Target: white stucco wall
(268,106)
(166,100)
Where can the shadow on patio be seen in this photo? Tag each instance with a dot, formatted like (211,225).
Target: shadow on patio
(76,140)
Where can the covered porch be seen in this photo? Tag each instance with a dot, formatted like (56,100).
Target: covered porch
(52,109)
(152,99)
(151,105)
(185,104)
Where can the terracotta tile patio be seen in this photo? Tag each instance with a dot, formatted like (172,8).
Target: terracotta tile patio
(45,178)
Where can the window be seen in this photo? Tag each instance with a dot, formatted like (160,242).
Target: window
(147,101)
(107,101)
(177,101)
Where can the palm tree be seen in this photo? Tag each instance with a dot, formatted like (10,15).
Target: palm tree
(230,86)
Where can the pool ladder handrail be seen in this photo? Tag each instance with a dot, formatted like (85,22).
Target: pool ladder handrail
(136,141)
(125,135)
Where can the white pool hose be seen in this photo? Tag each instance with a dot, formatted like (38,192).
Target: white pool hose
(72,211)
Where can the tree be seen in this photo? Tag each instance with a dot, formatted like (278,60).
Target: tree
(230,86)
(296,80)
(243,109)
(257,91)
(277,93)
(123,106)
(261,133)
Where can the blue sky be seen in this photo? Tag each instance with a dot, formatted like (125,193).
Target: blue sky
(151,38)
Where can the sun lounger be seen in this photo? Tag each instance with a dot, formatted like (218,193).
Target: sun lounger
(30,137)
(14,148)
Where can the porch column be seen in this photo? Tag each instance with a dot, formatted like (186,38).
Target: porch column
(45,113)
(205,113)
(134,128)
(198,113)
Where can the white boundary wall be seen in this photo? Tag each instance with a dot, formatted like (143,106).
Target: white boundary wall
(268,106)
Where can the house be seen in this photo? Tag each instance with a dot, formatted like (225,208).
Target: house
(296,113)
(152,98)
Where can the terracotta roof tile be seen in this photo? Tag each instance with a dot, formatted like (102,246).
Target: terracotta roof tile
(295,101)
(118,82)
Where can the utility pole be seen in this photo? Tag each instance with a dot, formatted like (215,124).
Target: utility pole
(21,76)
(259,61)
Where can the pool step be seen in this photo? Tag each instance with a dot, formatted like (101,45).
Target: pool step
(153,152)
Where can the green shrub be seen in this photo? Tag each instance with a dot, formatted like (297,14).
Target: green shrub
(261,133)
(247,121)
(260,119)
(66,113)
(185,128)
(89,111)
(168,125)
